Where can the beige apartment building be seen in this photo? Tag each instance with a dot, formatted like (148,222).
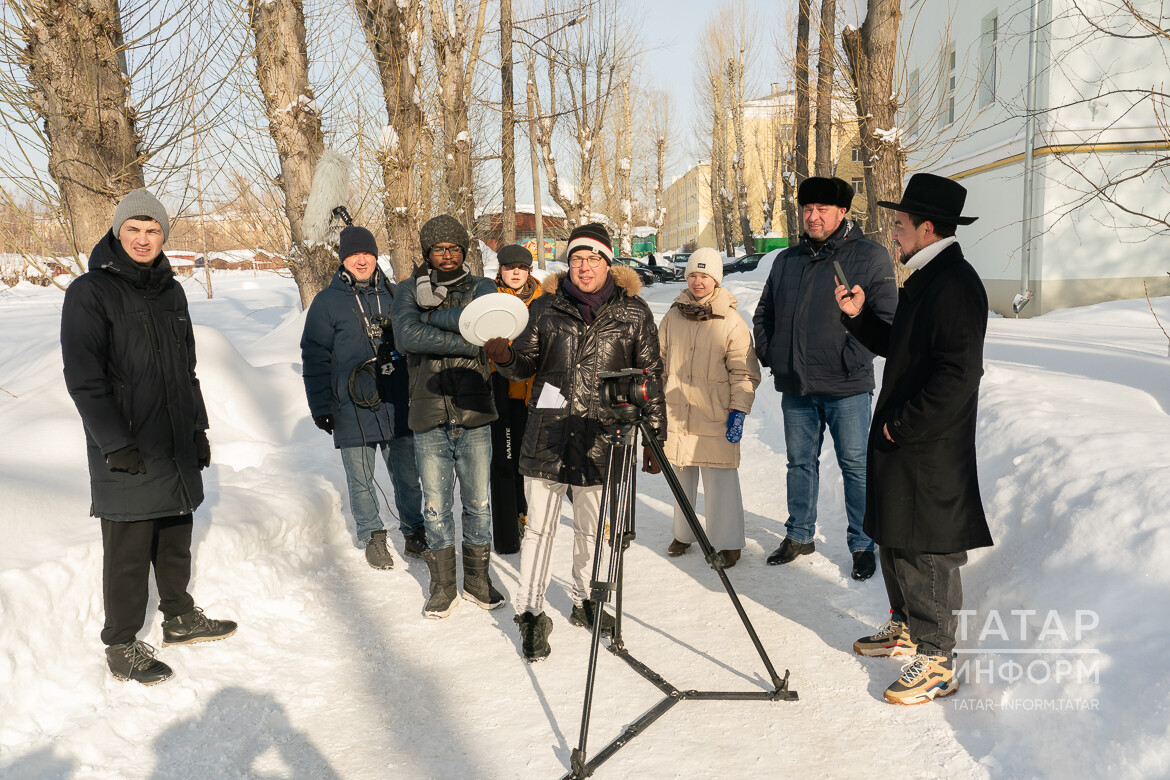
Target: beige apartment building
(689,216)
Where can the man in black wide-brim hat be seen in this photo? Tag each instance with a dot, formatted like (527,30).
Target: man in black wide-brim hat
(922,500)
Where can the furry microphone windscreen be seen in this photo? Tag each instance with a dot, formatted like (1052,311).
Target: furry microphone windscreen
(328,191)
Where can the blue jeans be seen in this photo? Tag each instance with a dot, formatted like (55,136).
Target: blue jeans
(363,501)
(443,454)
(805,419)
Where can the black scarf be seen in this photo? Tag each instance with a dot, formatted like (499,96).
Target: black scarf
(588,303)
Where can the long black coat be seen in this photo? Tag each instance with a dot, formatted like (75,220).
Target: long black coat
(922,490)
(796,323)
(567,445)
(129,355)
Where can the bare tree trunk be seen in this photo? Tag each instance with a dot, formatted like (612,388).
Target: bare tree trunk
(449,36)
(872,52)
(736,71)
(800,118)
(825,57)
(282,70)
(627,151)
(394,33)
(770,170)
(545,124)
(507,131)
(718,156)
(81,89)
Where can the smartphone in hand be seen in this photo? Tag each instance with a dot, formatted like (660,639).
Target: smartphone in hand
(841,277)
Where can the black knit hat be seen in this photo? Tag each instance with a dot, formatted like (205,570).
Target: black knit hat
(356,239)
(443,229)
(821,189)
(514,254)
(593,237)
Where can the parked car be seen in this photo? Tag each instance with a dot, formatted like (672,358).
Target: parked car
(679,264)
(662,273)
(644,272)
(737,265)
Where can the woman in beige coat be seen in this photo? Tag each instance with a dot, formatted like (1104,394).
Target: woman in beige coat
(710,374)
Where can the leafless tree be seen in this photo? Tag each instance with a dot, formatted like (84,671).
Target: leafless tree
(456,41)
(583,62)
(394,33)
(826,56)
(801,79)
(872,53)
(282,71)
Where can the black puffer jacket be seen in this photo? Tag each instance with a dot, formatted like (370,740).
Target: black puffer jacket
(567,445)
(129,355)
(798,330)
(450,380)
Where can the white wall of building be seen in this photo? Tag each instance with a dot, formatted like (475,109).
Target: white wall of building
(1097,125)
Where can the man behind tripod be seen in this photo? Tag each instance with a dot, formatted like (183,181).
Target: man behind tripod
(587,322)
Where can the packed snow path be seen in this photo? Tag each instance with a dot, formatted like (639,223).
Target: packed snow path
(334,672)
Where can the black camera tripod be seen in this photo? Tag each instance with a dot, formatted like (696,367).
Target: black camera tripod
(617,506)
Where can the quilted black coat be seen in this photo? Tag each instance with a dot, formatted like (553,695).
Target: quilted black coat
(568,445)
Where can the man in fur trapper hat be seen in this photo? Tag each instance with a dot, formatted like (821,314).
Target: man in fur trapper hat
(451,409)
(588,321)
(824,374)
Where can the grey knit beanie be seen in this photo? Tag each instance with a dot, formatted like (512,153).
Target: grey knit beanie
(440,229)
(140,203)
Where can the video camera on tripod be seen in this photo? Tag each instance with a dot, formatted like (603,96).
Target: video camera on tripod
(627,391)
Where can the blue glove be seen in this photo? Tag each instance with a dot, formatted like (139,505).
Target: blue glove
(735,425)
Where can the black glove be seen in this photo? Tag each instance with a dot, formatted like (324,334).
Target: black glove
(127,460)
(498,351)
(325,423)
(202,449)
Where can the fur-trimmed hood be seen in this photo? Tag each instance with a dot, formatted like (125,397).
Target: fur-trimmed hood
(623,277)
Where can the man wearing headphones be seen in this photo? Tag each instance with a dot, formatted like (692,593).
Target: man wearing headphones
(356,383)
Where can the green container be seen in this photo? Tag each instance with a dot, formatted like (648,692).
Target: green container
(640,247)
(768,244)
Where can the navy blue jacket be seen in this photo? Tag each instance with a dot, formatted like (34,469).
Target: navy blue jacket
(333,344)
(798,329)
(129,355)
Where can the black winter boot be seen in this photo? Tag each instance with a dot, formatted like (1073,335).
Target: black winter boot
(477,581)
(195,627)
(135,661)
(534,631)
(585,613)
(416,542)
(443,591)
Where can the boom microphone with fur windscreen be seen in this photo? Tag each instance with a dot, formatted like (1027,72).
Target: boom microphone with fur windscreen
(325,210)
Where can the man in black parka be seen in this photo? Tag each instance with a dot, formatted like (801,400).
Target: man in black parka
(922,503)
(129,356)
(824,374)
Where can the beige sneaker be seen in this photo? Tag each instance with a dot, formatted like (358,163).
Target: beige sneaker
(891,639)
(926,677)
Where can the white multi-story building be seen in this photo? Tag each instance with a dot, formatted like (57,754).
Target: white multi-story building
(1101,144)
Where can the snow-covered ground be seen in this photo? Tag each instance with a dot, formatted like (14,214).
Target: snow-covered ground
(335,673)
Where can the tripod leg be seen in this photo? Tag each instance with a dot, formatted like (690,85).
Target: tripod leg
(620,460)
(709,552)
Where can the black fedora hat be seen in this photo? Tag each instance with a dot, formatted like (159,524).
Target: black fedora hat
(933,197)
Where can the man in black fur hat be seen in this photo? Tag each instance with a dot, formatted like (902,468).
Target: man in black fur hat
(824,374)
